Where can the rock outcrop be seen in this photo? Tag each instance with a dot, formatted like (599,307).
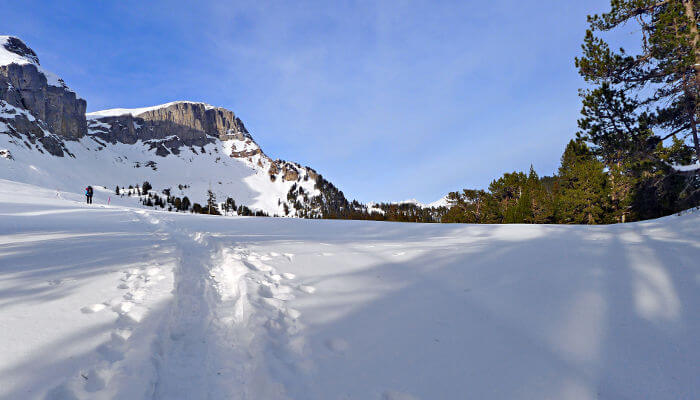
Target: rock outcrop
(25,85)
(25,129)
(169,127)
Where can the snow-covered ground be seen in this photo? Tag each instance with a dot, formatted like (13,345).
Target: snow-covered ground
(117,302)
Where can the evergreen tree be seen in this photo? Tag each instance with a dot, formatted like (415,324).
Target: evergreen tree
(541,200)
(644,108)
(651,95)
(146,187)
(507,192)
(116,191)
(211,203)
(185,204)
(583,192)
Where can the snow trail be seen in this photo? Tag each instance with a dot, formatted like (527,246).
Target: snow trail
(227,318)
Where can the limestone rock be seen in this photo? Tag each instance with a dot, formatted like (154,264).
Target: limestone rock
(25,86)
(172,126)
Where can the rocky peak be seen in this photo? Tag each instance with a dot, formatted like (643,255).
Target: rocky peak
(26,85)
(16,46)
(213,121)
(167,127)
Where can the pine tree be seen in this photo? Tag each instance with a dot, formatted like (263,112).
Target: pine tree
(185,204)
(116,191)
(648,97)
(541,203)
(146,187)
(507,191)
(211,202)
(583,192)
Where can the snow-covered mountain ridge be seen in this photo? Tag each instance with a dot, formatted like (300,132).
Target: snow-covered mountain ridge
(46,138)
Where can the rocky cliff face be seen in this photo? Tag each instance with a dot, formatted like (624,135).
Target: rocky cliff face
(25,85)
(26,130)
(168,127)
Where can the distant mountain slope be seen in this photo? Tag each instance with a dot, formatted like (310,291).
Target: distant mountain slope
(183,147)
(189,147)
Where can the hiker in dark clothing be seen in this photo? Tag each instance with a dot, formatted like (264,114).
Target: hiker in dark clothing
(88,194)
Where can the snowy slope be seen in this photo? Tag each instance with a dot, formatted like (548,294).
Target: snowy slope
(442,202)
(116,302)
(188,150)
(98,163)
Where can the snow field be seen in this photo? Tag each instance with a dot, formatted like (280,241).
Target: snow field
(116,302)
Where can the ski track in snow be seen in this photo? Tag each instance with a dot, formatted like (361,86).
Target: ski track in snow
(229,314)
(228,318)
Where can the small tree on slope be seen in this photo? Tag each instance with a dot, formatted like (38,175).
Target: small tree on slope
(583,192)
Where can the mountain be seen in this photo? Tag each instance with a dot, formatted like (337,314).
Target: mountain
(46,138)
(442,202)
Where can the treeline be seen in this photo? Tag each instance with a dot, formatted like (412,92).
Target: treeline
(173,203)
(584,191)
(332,204)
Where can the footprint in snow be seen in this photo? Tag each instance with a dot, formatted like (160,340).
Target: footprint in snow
(256,265)
(110,353)
(289,256)
(274,304)
(93,308)
(293,314)
(95,380)
(136,295)
(133,316)
(307,289)
(121,335)
(123,307)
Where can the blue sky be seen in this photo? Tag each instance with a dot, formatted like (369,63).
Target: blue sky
(388,100)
